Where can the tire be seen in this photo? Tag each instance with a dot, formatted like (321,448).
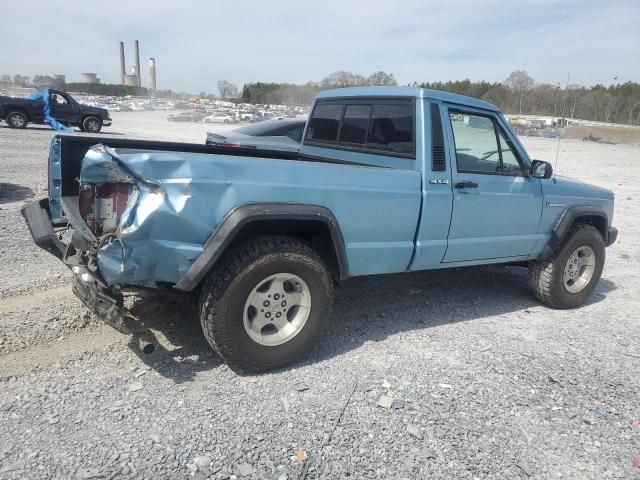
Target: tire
(228,290)
(92,124)
(17,120)
(547,278)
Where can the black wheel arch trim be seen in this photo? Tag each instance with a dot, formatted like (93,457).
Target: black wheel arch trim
(241,216)
(568,217)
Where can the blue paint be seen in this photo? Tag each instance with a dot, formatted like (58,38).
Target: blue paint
(52,122)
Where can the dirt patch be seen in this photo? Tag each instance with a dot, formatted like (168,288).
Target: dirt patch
(629,135)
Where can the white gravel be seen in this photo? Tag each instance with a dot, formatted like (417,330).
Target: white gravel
(449,374)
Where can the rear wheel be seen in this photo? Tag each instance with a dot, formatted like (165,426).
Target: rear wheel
(17,120)
(92,124)
(569,276)
(265,302)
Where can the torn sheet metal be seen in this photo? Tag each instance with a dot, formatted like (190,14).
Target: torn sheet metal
(52,122)
(144,248)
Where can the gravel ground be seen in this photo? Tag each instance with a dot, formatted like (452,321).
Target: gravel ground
(450,374)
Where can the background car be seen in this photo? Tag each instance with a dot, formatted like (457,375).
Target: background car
(187,117)
(220,118)
(285,134)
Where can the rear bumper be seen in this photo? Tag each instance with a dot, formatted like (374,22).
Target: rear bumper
(38,218)
(107,122)
(612,236)
(91,290)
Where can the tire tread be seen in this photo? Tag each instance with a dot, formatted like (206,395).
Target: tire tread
(540,276)
(217,282)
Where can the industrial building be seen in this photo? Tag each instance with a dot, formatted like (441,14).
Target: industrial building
(89,78)
(134,79)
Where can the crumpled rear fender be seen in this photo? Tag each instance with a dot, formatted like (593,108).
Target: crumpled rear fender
(161,232)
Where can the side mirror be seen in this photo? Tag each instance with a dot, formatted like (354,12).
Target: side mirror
(540,169)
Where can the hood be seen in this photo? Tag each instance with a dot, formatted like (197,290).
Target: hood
(564,192)
(100,112)
(567,186)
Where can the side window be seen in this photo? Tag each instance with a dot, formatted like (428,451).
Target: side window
(476,143)
(478,149)
(324,123)
(391,127)
(58,99)
(510,163)
(355,124)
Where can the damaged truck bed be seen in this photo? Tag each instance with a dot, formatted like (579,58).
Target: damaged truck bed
(387,180)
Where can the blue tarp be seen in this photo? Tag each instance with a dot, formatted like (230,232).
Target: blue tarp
(46,98)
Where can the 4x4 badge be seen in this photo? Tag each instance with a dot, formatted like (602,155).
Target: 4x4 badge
(439,181)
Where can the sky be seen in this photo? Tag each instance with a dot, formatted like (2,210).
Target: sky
(198,42)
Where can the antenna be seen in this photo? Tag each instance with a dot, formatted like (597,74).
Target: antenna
(564,104)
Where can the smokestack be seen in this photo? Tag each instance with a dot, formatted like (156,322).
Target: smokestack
(152,75)
(137,47)
(123,70)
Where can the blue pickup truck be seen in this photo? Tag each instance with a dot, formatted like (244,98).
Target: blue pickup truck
(388,179)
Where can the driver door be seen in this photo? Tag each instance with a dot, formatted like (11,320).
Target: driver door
(63,108)
(496,205)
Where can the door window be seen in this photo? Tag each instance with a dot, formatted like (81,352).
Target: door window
(58,99)
(510,164)
(481,147)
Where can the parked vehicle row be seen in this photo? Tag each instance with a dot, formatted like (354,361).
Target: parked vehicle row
(223,116)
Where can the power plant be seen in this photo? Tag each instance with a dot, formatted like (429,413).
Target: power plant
(152,75)
(89,78)
(134,79)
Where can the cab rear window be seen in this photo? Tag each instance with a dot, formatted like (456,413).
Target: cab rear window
(324,123)
(384,127)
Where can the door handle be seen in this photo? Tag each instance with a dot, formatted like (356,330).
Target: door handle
(466,184)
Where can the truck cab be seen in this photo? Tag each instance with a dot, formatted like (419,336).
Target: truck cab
(483,199)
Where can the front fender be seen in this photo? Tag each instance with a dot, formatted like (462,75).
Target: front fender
(593,214)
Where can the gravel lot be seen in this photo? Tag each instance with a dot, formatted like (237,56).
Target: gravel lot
(451,374)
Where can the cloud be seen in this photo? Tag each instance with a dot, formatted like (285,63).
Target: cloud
(199,42)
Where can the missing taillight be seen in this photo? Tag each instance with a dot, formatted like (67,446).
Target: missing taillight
(101,205)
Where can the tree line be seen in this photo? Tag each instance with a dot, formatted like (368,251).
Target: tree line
(517,94)
(292,94)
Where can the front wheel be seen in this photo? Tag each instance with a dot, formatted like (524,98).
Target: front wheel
(265,302)
(569,276)
(92,124)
